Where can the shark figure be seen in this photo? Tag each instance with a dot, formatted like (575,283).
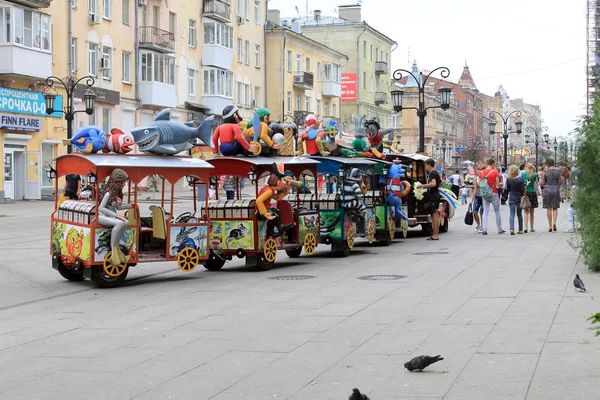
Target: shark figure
(163,136)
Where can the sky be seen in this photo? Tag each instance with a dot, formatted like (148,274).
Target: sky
(536,49)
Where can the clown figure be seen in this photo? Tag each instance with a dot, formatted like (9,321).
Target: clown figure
(396,188)
(311,140)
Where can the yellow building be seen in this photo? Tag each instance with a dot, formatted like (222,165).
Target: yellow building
(305,75)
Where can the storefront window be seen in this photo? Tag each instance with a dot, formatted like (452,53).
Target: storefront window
(47,156)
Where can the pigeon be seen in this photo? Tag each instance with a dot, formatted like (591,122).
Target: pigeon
(578,283)
(357,395)
(421,362)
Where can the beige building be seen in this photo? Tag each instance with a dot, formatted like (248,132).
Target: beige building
(367,75)
(306,75)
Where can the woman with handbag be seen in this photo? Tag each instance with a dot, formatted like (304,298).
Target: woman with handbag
(530,177)
(516,191)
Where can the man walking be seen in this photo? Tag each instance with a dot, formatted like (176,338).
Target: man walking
(434,196)
(488,184)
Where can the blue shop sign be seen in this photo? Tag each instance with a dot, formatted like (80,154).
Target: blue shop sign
(26,102)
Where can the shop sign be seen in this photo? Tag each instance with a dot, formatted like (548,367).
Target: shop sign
(21,123)
(102,95)
(26,102)
(348,88)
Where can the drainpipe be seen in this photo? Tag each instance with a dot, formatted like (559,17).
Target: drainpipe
(264,50)
(70,5)
(137,59)
(341,103)
(358,80)
(283,72)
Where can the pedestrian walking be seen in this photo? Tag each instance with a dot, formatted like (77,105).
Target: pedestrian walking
(503,191)
(464,192)
(516,190)
(478,202)
(488,182)
(434,196)
(71,189)
(229,186)
(552,179)
(530,177)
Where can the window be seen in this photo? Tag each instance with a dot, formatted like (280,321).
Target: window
(5,35)
(239,50)
(257,12)
(326,108)
(158,68)
(298,99)
(256,97)
(219,34)
(73,4)
(106,62)
(386,58)
(372,86)
(377,85)
(126,61)
(73,55)
(247,52)
(394,121)
(31,29)
(298,62)
(257,56)
(333,111)
(318,71)
(371,53)
(106,119)
(192,82)
(172,23)
(289,101)
(92,117)
(318,106)
(289,61)
(246,9)
(106,11)
(364,80)
(332,72)
(377,54)
(156,16)
(364,48)
(93,6)
(306,103)
(307,65)
(92,59)
(192,33)
(240,8)
(218,82)
(126,12)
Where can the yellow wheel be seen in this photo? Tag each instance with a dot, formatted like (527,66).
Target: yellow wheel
(310,244)
(404,228)
(259,148)
(188,259)
(370,233)
(113,270)
(350,237)
(270,250)
(391,227)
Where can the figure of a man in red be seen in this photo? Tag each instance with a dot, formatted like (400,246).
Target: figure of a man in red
(311,140)
(277,188)
(230,135)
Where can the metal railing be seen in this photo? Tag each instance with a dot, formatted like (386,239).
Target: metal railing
(156,37)
(217,8)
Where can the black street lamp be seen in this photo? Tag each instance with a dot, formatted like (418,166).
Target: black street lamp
(536,132)
(555,150)
(70,84)
(505,132)
(444,151)
(421,109)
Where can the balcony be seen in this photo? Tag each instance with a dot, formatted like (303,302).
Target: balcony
(157,39)
(381,67)
(216,103)
(158,94)
(332,89)
(33,3)
(216,9)
(380,98)
(217,56)
(304,80)
(26,61)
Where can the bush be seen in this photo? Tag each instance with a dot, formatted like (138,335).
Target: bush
(587,194)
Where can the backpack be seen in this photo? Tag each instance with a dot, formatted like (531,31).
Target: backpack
(484,187)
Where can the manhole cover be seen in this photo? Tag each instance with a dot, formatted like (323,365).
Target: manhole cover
(291,277)
(430,253)
(382,277)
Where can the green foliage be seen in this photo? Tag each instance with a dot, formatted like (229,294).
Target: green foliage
(595,320)
(587,195)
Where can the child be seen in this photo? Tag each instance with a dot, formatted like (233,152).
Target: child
(463,194)
(570,219)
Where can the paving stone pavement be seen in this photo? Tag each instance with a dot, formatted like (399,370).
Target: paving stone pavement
(501,309)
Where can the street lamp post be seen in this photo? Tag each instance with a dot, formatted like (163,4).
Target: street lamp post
(421,109)
(555,150)
(536,132)
(70,84)
(443,151)
(505,132)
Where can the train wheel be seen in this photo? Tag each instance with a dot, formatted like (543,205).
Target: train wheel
(113,270)
(370,233)
(188,259)
(214,262)
(350,237)
(310,244)
(404,228)
(391,228)
(270,250)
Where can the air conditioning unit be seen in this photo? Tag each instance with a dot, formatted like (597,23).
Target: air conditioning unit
(94,19)
(253,103)
(240,20)
(298,79)
(142,3)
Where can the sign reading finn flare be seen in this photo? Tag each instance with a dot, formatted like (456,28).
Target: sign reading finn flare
(21,123)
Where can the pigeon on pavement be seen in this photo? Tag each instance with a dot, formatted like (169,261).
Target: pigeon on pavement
(421,362)
(357,395)
(578,283)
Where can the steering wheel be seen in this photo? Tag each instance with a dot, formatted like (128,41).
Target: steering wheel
(185,217)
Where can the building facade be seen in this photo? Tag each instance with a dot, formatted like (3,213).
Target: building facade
(367,74)
(307,75)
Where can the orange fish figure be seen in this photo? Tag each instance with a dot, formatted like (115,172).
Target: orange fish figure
(74,242)
(118,142)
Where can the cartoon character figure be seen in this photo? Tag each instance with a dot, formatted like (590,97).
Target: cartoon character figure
(107,213)
(236,234)
(360,144)
(277,188)
(230,135)
(375,135)
(88,139)
(163,136)
(74,243)
(310,223)
(311,140)
(58,233)
(337,147)
(262,118)
(118,142)
(353,188)
(396,188)
(184,239)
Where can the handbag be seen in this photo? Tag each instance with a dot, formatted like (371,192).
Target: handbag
(469,215)
(525,202)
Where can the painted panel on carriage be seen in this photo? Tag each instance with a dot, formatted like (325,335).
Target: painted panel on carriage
(331,224)
(102,243)
(308,224)
(231,235)
(382,213)
(195,237)
(71,241)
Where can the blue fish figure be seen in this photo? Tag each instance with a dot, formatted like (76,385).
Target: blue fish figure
(88,139)
(163,136)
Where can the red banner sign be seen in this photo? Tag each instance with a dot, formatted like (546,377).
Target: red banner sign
(348,88)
